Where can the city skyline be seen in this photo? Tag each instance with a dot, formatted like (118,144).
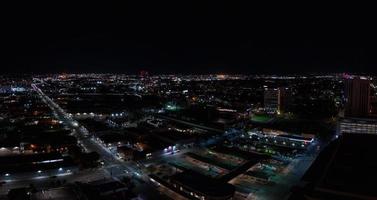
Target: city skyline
(174,137)
(187,101)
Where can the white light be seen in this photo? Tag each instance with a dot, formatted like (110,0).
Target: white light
(39,171)
(50,161)
(60,169)
(7,174)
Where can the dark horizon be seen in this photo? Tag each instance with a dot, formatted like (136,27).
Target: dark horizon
(190,38)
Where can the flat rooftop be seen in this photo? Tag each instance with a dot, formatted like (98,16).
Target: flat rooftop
(203,184)
(63,193)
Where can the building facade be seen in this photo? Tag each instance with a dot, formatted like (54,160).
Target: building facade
(274,100)
(357,126)
(357,95)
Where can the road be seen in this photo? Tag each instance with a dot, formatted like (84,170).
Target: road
(114,166)
(90,144)
(44,180)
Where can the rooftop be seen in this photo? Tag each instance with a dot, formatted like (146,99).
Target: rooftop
(62,193)
(204,184)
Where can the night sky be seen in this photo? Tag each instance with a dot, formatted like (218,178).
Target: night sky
(185,38)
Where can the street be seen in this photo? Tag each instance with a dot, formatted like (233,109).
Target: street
(113,166)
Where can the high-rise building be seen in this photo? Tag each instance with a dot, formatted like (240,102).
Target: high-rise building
(357,94)
(274,100)
(358,109)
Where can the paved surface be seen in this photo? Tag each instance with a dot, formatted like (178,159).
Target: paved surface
(87,142)
(114,166)
(281,182)
(44,181)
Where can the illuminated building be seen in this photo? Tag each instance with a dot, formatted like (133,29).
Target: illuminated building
(358,100)
(274,100)
(357,125)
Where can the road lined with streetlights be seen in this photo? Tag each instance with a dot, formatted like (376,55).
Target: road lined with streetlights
(117,166)
(113,164)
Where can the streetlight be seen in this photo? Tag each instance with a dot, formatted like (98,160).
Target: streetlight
(39,171)
(60,169)
(7,174)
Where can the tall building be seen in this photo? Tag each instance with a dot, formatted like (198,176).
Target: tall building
(274,100)
(357,108)
(357,94)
